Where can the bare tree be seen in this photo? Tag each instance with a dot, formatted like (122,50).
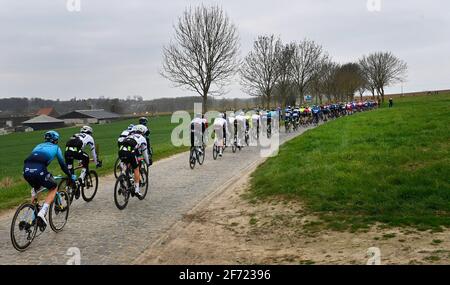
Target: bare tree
(260,69)
(348,80)
(328,79)
(305,61)
(383,69)
(285,72)
(203,58)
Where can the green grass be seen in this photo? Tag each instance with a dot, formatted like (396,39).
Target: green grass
(390,166)
(16,147)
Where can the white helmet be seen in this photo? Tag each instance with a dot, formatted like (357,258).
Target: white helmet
(221,115)
(86,130)
(140,129)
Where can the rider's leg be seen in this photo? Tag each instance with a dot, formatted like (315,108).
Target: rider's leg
(84,158)
(49,183)
(137,174)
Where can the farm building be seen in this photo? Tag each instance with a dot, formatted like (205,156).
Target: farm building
(80,117)
(44,122)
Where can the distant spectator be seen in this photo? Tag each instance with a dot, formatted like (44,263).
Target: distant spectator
(391,102)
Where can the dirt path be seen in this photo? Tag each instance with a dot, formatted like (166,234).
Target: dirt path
(106,235)
(225,228)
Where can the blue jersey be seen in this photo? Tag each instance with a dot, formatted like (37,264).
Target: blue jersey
(45,153)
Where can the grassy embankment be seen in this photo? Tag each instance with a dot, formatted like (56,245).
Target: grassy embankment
(390,166)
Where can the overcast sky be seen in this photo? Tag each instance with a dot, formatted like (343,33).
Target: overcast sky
(113,48)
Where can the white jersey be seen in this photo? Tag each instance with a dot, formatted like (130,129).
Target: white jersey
(241,120)
(141,145)
(255,117)
(88,140)
(198,123)
(123,135)
(220,122)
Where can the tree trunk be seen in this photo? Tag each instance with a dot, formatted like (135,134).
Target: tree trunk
(205,102)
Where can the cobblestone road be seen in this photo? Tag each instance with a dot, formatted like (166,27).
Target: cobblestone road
(106,235)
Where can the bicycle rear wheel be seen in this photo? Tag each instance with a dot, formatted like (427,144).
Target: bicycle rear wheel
(90,186)
(59,211)
(143,183)
(117,168)
(24,233)
(201,156)
(121,193)
(215,152)
(192,159)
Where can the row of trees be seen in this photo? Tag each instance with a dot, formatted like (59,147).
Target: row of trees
(204,58)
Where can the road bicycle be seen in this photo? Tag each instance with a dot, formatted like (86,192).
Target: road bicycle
(25,224)
(196,154)
(88,187)
(124,187)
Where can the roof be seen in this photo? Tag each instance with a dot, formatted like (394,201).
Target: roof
(46,111)
(97,114)
(43,119)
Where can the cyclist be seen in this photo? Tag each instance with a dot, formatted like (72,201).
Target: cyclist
(287,117)
(132,147)
(220,129)
(124,134)
(198,128)
(256,121)
(75,150)
(240,124)
(316,112)
(36,174)
(144,121)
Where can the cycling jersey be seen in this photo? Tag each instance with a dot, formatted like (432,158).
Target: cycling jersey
(35,165)
(78,142)
(44,153)
(132,147)
(122,136)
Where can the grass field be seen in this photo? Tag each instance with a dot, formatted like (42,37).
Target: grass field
(16,147)
(390,166)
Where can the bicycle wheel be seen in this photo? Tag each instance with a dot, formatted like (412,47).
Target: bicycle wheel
(121,193)
(143,183)
(59,211)
(117,168)
(215,152)
(201,156)
(23,234)
(90,186)
(192,158)
(65,186)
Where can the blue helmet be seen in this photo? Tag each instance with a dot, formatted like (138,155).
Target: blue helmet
(51,136)
(130,127)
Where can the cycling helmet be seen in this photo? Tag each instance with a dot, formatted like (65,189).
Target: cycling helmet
(130,127)
(140,129)
(143,121)
(198,115)
(86,130)
(221,115)
(51,136)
